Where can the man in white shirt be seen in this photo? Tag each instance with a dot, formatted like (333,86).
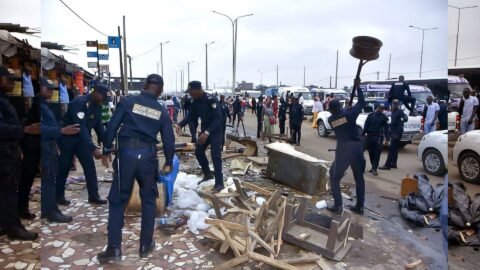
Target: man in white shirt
(317,107)
(468,108)
(430,115)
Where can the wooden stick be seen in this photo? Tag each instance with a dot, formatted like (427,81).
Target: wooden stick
(230,241)
(270,261)
(261,241)
(305,259)
(233,262)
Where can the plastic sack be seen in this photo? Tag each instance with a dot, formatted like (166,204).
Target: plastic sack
(169,180)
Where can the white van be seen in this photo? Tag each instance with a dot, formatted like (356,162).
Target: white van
(306,94)
(323,93)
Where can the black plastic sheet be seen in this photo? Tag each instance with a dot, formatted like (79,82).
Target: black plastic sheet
(464,214)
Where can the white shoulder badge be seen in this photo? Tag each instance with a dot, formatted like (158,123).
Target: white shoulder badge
(214,105)
(80,115)
(146,111)
(339,122)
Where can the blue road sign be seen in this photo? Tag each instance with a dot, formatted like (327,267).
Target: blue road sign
(114,42)
(92,54)
(103,57)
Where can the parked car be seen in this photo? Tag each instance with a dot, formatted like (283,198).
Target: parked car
(432,151)
(466,156)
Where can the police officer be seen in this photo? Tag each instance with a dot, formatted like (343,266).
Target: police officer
(296,121)
(398,119)
(208,109)
(225,115)
(282,115)
(397,91)
(259,114)
(349,152)
(12,131)
(86,111)
(141,118)
(51,132)
(376,127)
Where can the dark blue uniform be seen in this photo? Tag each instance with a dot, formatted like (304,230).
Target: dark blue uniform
(376,127)
(349,151)
(208,109)
(443,116)
(259,114)
(397,91)
(225,115)
(50,134)
(282,115)
(398,119)
(296,122)
(139,118)
(88,115)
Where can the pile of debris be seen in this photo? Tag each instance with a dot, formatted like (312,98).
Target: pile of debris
(464,217)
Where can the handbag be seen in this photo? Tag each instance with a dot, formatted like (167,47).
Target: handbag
(272,120)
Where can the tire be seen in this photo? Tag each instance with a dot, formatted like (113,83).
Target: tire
(469,167)
(433,162)
(322,129)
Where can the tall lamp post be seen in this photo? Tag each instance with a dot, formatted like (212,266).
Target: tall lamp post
(261,76)
(234,43)
(161,54)
(188,70)
(206,63)
(423,36)
(458,27)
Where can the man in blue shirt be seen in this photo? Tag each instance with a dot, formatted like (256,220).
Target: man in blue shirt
(349,152)
(376,129)
(397,91)
(208,109)
(398,119)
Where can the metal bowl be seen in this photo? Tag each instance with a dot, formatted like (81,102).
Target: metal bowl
(365,48)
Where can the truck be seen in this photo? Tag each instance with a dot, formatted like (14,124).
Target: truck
(411,129)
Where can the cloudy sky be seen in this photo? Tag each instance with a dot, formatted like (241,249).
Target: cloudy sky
(290,34)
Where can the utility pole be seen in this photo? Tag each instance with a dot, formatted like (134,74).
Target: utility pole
(98,61)
(161,55)
(130,64)
(330,82)
(423,37)
(458,28)
(206,63)
(277,75)
(125,86)
(121,62)
(378,75)
(389,63)
(336,72)
(304,71)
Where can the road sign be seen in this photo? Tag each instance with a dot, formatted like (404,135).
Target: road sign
(92,64)
(103,57)
(103,46)
(114,42)
(91,43)
(92,54)
(104,68)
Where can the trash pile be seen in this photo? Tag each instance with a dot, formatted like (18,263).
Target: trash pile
(422,204)
(464,217)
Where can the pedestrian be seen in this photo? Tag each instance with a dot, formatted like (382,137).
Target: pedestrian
(443,115)
(275,106)
(208,109)
(282,115)
(225,115)
(289,106)
(467,110)
(398,119)
(297,120)
(177,107)
(259,116)
(254,105)
(397,91)
(237,110)
(430,115)
(10,161)
(51,132)
(317,107)
(86,111)
(269,120)
(141,118)
(349,152)
(186,104)
(170,107)
(327,101)
(376,128)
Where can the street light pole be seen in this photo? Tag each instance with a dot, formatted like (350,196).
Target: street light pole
(458,28)
(423,37)
(206,63)
(188,70)
(161,54)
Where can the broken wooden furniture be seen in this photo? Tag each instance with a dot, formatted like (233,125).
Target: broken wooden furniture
(295,169)
(134,206)
(331,242)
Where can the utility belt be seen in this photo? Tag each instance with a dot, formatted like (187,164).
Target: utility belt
(136,143)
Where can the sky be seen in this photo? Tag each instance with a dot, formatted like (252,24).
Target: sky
(288,33)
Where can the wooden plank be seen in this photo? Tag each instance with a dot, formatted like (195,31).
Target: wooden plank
(226,195)
(232,263)
(256,188)
(226,224)
(281,225)
(305,259)
(230,241)
(270,261)
(261,242)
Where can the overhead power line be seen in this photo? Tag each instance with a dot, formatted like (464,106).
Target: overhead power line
(76,14)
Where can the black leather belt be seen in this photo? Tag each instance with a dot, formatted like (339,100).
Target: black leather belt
(136,143)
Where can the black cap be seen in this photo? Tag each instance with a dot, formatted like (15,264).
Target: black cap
(7,72)
(194,85)
(155,79)
(47,83)
(102,89)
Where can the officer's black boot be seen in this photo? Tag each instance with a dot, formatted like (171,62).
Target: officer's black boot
(58,217)
(335,209)
(374,172)
(110,254)
(18,232)
(63,201)
(385,167)
(145,250)
(25,214)
(206,177)
(97,200)
(356,209)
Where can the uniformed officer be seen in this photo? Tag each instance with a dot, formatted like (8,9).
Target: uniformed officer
(259,111)
(208,109)
(86,111)
(296,121)
(349,152)
(376,127)
(397,91)
(11,131)
(225,115)
(282,115)
(51,132)
(398,119)
(141,118)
